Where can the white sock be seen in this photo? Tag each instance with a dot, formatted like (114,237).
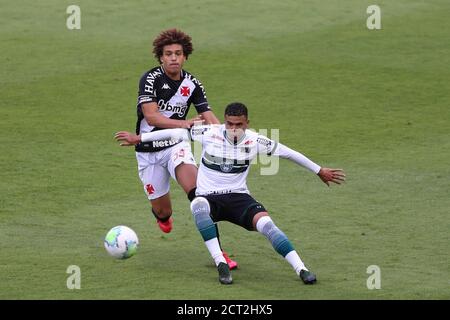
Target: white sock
(294,260)
(215,251)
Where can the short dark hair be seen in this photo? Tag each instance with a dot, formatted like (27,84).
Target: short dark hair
(172,36)
(236,109)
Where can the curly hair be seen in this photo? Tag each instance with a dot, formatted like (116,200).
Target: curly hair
(172,36)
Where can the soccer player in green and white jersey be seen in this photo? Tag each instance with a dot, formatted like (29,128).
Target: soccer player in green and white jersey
(222,193)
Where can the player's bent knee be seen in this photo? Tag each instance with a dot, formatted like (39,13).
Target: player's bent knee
(201,210)
(258,217)
(262,222)
(277,238)
(200,205)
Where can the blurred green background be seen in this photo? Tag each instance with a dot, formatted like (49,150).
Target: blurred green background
(373,102)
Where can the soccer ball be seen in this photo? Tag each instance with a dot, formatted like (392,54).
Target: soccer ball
(121,242)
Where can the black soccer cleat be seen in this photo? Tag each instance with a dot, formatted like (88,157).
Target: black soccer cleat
(307,277)
(224,273)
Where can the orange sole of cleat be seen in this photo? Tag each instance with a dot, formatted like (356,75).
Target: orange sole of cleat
(231,263)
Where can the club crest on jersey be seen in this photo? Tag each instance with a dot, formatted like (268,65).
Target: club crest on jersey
(185,91)
(226,167)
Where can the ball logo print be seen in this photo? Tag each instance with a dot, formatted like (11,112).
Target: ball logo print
(121,242)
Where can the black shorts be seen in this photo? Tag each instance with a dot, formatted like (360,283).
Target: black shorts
(237,208)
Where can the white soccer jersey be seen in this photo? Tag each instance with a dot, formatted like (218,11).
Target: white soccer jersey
(224,165)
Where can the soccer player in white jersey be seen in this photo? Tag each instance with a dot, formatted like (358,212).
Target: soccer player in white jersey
(222,193)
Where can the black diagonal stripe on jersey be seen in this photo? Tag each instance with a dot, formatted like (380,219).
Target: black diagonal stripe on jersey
(225,165)
(224,169)
(221,160)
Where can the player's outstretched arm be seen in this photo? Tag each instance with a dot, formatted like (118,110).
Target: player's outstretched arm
(129,139)
(285,152)
(166,134)
(328,175)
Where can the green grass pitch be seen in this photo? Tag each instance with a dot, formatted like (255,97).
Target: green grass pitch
(373,102)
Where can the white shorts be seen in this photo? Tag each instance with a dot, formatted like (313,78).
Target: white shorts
(155,168)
